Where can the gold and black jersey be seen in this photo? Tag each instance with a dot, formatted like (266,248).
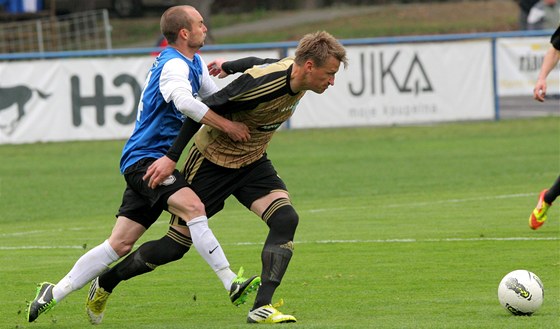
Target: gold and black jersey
(262,99)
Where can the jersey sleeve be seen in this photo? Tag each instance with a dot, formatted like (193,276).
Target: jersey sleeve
(208,86)
(224,101)
(240,65)
(255,86)
(176,87)
(174,76)
(189,128)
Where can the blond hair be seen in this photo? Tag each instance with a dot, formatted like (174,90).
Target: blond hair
(318,47)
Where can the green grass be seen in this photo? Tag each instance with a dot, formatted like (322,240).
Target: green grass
(388,20)
(400,227)
(398,20)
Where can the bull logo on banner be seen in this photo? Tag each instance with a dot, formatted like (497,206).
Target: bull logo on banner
(18,96)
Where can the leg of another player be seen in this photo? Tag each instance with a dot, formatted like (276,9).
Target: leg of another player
(202,236)
(125,233)
(147,258)
(553,192)
(90,265)
(208,246)
(546,197)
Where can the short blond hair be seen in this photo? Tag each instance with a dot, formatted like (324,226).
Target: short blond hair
(318,47)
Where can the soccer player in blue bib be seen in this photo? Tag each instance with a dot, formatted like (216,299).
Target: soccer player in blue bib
(177,77)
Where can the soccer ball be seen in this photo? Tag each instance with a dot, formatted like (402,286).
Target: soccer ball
(521,292)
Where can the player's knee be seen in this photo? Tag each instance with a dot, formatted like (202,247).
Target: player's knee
(290,220)
(171,250)
(282,217)
(185,204)
(122,248)
(168,249)
(176,244)
(197,207)
(193,208)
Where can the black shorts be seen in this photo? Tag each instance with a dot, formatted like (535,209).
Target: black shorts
(141,203)
(555,39)
(214,184)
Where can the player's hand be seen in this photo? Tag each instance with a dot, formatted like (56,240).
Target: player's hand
(159,171)
(238,132)
(215,68)
(540,91)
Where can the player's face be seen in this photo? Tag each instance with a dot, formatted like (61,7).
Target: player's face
(320,78)
(197,35)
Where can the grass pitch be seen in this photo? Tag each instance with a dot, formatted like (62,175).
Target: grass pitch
(400,227)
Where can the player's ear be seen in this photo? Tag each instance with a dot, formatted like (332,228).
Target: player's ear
(309,65)
(185,33)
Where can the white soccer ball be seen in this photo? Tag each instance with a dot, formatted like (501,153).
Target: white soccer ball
(521,292)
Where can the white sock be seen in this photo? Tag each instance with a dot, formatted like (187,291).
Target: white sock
(87,268)
(209,248)
(226,276)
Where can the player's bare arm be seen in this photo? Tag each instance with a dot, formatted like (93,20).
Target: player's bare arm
(237,131)
(163,167)
(550,60)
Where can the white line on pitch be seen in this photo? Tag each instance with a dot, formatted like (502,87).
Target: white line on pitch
(232,213)
(44,231)
(334,242)
(40,247)
(409,240)
(431,203)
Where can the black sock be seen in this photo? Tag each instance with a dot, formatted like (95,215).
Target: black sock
(282,219)
(553,192)
(275,260)
(146,258)
(266,291)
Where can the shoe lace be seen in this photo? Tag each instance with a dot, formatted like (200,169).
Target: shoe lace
(239,278)
(98,302)
(278,303)
(47,306)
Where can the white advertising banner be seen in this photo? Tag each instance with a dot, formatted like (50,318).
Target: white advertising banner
(405,84)
(89,99)
(78,99)
(518,64)
(70,99)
